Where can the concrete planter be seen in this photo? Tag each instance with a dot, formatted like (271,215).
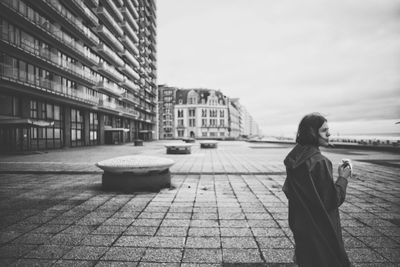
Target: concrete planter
(209,144)
(136,173)
(178,148)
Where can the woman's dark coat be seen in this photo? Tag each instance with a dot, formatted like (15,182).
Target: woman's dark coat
(314,199)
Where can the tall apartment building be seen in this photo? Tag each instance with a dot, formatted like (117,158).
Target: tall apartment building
(166,103)
(200,113)
(76,73)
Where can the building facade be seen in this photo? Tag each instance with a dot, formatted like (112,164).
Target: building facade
(201,114)
(166,103)
(76,73)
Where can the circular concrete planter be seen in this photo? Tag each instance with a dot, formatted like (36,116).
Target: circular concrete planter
(178,148)
(136,173)
(208,144)
(138,142)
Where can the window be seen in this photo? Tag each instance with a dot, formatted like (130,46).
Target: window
(204,113)
(192,112)
(180,113)
(192,122)
(221,113)
(34,109)
(204,122)
(222,123)
(181,133)
(93,128)
(204,134)
(77,128)
(180,123)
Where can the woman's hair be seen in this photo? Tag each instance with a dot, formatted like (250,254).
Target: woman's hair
(307,133)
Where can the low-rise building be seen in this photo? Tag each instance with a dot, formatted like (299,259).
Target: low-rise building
(202,114)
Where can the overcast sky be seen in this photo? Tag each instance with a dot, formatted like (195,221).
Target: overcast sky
(286,58)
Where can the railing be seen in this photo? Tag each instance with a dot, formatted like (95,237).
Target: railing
(101,29)
(112,105)
(101,11)
(110,70)
(50,57)
(110,54)
(44,84)
(110,87)
(29,14)
(130,98)
(56,5)
(128,29)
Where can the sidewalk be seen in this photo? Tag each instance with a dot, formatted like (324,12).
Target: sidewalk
(226,207)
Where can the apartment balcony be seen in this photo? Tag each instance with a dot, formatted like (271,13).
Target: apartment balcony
(129,98)
(31,81)
(46,59)
(129,85)
(128,29)
(80,8)
(108,105)
(129,18)
(92,3)
(109,38)
(26,17)
(115,10)
(110,72)
(131,112)
(109,88)
(109,54)
(130,58)
(130,45)
(108,20)
(130,72)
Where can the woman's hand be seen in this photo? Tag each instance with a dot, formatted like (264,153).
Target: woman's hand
(345,171)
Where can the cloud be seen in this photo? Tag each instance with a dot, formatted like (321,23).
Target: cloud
(287,57)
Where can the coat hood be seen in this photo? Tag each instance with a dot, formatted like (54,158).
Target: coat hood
(299,155)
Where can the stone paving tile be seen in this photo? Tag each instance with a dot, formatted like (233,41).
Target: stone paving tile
(241,256)
(225,231)
(48,252)
(85,253)
(279,256)
(202,255)
(15,250)
(103,263)
(365,255)
(123,254)
(274,242)
(167,242)
(268,232)
(32,263)
(133,241)
(74,263)
(98,240)
(203,242)
(162,255)
(172,231)
(238,242)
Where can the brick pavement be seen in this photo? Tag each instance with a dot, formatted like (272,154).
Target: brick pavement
(225,207)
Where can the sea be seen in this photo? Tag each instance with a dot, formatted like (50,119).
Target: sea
(368,136)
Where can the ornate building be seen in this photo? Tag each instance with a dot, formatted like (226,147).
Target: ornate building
(76,73)
(201,114)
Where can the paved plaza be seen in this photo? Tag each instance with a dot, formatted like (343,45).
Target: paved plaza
(225,208)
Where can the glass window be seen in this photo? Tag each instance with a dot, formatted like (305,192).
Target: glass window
(6,105)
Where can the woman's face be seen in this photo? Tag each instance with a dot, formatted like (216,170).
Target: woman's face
(323,132)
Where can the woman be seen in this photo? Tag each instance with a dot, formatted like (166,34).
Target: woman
(314,197)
